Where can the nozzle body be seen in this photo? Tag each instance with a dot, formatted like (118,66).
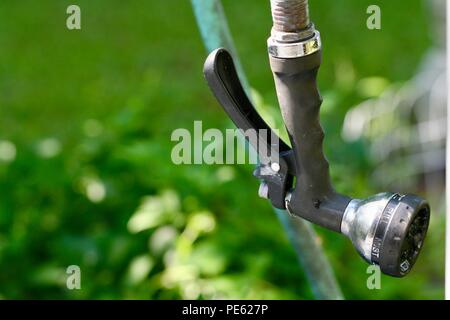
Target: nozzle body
(313,196)
(387,229)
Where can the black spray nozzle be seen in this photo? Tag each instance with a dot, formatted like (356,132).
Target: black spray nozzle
(386,229)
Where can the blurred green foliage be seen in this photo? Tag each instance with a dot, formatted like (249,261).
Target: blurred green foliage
(86,176)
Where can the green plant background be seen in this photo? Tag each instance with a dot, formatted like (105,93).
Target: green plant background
(91,112)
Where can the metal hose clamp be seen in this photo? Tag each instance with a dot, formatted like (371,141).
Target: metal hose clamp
(289,50)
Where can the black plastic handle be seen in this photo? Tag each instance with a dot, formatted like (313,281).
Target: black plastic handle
(222,77)
(313,197)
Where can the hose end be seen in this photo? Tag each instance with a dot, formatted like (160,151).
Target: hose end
(290,16)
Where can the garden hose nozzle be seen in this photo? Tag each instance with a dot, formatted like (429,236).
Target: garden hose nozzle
(387,229)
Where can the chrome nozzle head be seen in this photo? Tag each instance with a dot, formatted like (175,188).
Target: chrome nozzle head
(388,230)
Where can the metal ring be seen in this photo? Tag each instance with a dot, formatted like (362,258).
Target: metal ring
(290,37)
(294,49)
(382,227)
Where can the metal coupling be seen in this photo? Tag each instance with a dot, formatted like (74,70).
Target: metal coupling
(293,35)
